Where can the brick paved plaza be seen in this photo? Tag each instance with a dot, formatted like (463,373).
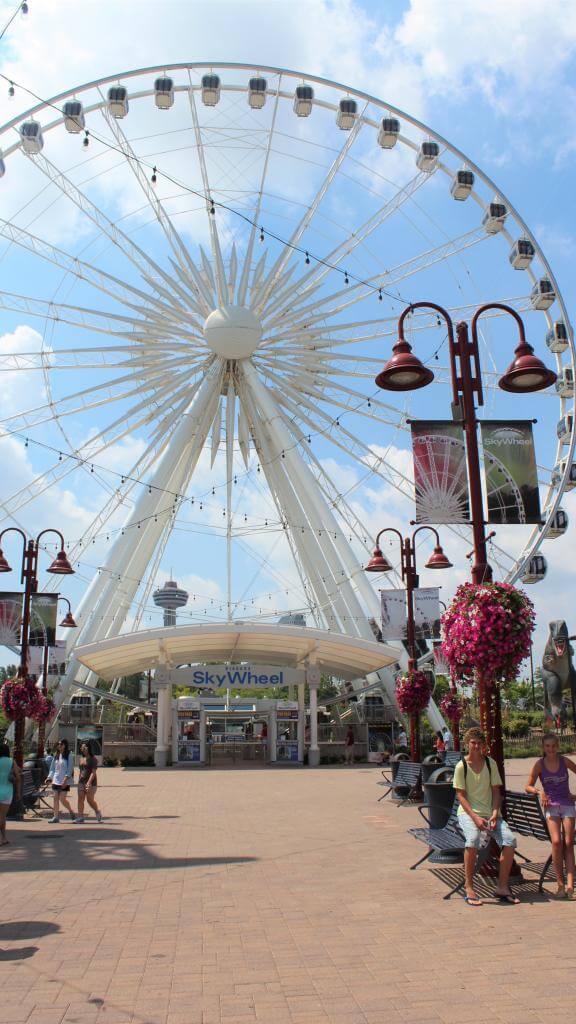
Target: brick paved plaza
(263,895)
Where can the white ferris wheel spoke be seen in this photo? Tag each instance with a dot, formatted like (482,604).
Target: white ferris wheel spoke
(303,538)
(151,270)
(247,265)
(126,294)
(261,296)
(308,315)
(176,244)
(309,282)
(212,225)
(90,319)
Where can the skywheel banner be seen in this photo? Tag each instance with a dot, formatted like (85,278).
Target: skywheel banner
(510,471)
(440,477)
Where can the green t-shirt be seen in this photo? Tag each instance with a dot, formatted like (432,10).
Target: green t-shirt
(478,786)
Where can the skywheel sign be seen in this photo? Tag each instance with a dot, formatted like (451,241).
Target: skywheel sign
(223,676)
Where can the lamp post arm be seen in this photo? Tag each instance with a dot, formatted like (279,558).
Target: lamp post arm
(50,530)
(16,529)
(389,529)
(505,309)
(62,598)
(450,325)
(427,527)
(423,305)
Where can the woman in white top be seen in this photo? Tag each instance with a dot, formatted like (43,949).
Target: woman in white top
(61,776)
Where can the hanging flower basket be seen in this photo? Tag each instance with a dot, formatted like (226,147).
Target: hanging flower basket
(487,628)
(19,698)
(453,706)
(43,710)
(413,692)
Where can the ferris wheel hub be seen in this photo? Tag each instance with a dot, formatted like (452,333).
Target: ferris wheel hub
(233,332)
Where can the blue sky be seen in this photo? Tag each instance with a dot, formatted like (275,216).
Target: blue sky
(496,80)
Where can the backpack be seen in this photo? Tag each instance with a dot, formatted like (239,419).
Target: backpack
(465,763)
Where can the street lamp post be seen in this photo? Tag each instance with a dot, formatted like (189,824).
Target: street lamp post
(378,563)
(67,623)
(526,374)
(29,577)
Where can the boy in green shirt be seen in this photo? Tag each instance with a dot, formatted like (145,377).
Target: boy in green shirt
(478,785)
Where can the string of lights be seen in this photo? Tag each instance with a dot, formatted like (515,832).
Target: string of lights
(22,9)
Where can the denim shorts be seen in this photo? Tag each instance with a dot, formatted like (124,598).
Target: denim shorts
(561,811)
(475,837)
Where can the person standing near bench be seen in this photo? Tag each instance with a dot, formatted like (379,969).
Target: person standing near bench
(478,785)
(558,803)
(9,774)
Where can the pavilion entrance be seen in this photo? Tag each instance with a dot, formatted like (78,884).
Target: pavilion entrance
(237,738)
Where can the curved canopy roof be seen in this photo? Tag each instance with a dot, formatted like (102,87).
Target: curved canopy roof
(343,656)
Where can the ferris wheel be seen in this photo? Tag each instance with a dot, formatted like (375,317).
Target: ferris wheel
(202,271)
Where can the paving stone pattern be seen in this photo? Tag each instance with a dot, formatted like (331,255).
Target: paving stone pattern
(271,895)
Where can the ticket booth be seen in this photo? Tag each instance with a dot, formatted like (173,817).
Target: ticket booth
(237,732)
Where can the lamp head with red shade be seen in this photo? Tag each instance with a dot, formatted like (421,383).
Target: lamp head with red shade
(404,371)
(378,563)
(61,566)
(527,373)
(438,560)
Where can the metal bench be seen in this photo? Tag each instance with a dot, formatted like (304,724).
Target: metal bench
(406,784)
(447,840)
(452,758)
(525,816)
(31,793)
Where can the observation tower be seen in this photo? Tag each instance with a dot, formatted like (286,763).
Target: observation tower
(170,597)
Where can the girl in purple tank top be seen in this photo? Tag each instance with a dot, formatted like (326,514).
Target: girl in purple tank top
(558,802)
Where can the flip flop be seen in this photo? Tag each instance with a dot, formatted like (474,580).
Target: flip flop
(508,898)
(473,901)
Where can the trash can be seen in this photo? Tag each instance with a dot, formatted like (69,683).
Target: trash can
(395,761)
(429,768)
(439,799)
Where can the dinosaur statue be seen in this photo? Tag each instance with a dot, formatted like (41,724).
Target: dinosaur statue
(558,672)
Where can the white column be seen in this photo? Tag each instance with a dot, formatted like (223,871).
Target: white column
(301,720)
(174,721)
(313,678)
(272,734)
(202,736)
(164,700)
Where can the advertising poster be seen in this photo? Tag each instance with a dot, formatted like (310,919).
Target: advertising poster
(393,605)
(43,616)
(10,618)
(510,472)
(427,613)
(56,661)
(440,478)
(441,666)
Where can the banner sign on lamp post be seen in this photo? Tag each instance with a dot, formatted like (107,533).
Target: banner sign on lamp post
(510,471)
(440,475)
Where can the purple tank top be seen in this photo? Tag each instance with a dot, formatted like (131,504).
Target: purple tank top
(556,784)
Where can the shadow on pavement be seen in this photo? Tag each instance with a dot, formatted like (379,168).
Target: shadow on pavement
(13,931)
(95,848)
(17,954)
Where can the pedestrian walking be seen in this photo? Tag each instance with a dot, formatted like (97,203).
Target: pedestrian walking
(349,746)
(87,782)
(9,776)
(62,777)
(440,745)
(558,802)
